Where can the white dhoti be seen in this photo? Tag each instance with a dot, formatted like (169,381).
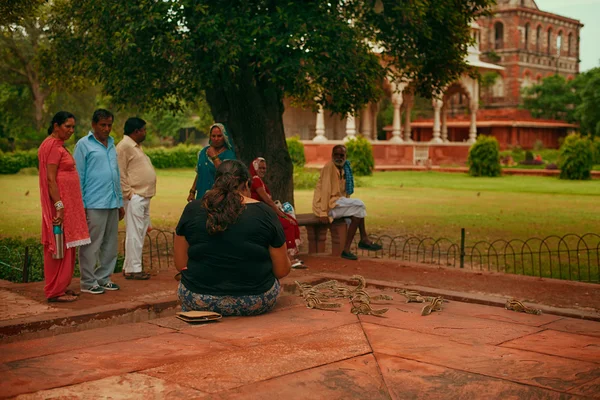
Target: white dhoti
(345,207)
(137,220)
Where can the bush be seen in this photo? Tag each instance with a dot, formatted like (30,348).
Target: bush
(576,158)
(360,155)
(484,157)
(596,149)
(528,156)
(11,163)
(538,145)
(296,150)
(181,156)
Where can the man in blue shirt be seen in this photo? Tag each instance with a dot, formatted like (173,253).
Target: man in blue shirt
(96,162)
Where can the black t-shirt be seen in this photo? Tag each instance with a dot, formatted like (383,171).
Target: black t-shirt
(235,262)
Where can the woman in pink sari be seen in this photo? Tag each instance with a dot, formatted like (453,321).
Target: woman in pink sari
(259,191)
(62,206)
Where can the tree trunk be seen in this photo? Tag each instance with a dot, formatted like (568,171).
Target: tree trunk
(253,113)
(39,97)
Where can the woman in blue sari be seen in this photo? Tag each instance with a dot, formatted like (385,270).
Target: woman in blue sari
(220,148)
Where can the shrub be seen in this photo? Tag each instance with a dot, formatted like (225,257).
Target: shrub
(528,156)
(484,157)
(596,149)
(360,155)
(11,163)
(181,156)
(576,158)
(296,150)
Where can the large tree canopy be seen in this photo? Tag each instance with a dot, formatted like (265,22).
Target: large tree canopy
(248,55)
(576,101)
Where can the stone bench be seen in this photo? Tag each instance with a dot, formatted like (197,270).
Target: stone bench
(317,233)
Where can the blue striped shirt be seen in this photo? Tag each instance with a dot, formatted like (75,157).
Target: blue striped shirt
(98,173)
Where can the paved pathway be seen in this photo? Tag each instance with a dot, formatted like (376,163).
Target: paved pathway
(465,351)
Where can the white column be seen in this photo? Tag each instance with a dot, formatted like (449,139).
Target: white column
(396,132)
(473,127)
(407,128)
(320,128)
(444,124)
(350,128)
(365,120)
(437,106)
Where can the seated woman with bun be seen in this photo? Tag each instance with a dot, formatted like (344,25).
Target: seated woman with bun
(230,249)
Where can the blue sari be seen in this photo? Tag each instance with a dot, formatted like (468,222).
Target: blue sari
(205,167)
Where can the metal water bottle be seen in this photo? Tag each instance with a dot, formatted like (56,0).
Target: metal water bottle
(59,241)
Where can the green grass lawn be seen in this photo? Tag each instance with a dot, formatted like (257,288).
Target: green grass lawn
(398,203)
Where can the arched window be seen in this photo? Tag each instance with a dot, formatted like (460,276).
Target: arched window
(559,43)
(526,36)
(526,81)
(569,43)
(538,39)
(498,87)
(549,42)
(498,35)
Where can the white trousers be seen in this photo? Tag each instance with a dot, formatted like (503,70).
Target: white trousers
(345,207)
(137,221)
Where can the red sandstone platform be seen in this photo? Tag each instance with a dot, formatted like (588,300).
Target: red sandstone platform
(465,351)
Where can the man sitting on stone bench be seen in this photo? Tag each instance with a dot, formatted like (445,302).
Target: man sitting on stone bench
(332,200)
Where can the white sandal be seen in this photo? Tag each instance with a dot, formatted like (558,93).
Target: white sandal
(298,264)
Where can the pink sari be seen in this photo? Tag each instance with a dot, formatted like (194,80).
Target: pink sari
(58,273)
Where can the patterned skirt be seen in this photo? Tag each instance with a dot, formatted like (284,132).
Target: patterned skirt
(229,305)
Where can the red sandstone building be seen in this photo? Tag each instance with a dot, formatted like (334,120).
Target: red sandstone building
(530,44)
(519,43)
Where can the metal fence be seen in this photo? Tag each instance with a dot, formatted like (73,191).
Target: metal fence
(571,257)
(26,263)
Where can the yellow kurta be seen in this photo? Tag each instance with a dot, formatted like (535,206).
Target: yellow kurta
(330,187)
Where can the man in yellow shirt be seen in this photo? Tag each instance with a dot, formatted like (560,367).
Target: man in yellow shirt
(138,184)
(331,201)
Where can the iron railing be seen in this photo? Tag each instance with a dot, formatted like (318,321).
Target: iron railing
(571,257)
(26,263)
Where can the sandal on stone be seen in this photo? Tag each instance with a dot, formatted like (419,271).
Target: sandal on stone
(138,276)
(298,264)
(65,298)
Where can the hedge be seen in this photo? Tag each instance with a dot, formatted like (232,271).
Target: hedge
(181,156)
(11,163)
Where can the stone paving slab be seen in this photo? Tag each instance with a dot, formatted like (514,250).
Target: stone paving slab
(591,389)
(251,331)
(357,378)
(556,373)
(571,325)
(219,371)
(81,365)
(14,305)
(500,314)
(407,379)
(578,347)
(124,387)
(77,340)
(462,329)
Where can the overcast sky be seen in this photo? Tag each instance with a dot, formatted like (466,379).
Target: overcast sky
(588,13)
